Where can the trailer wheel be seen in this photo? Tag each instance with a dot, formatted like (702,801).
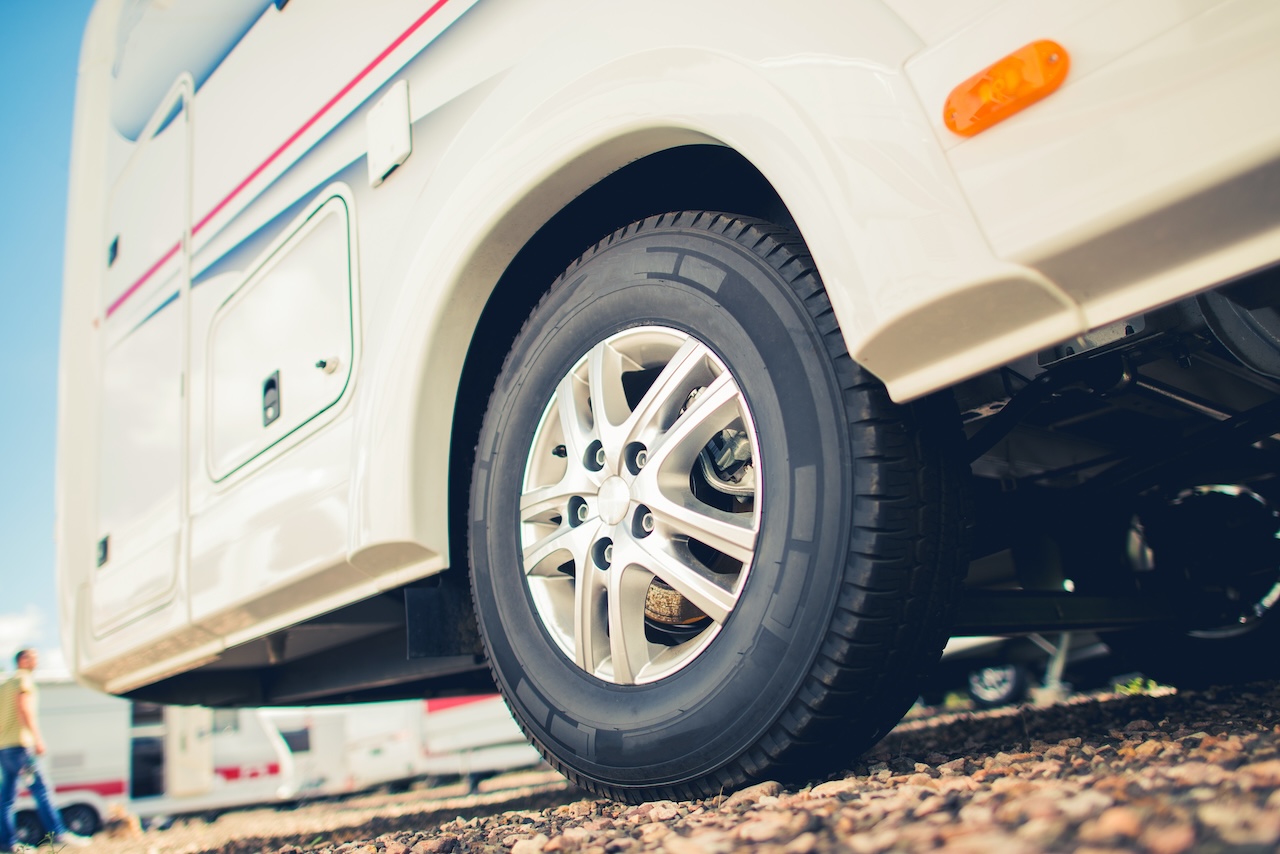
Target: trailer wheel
(706,546)
(81,819)
(1214,550)
(998,685)
(27,827)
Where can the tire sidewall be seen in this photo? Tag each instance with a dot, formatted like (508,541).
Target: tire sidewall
(709,712)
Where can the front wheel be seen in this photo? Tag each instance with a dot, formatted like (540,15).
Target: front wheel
(705,545)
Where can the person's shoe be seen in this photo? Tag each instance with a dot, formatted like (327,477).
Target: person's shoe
(72,840)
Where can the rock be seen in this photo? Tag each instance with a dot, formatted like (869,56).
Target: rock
(1239,822)
(393,846)
(765,829)
(1084,804)
(1043,831)
(929,806)
(752,794)
(700,843)
(1168,839)
(439,845)
(1139,726)
(1149,748)
(530,846)
(1113,823)
(1264,773)
(805,843)
(955,766)
(654,832)
(835,788)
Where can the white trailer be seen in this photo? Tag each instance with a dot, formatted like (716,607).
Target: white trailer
(154,760)
(349,748)
(472,735)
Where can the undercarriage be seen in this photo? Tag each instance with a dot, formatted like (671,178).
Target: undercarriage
(1126,480)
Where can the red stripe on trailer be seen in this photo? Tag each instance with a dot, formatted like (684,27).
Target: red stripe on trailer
(439,704)
(247,772)
(105,788)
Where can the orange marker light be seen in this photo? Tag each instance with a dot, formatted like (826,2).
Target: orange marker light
(1004,88)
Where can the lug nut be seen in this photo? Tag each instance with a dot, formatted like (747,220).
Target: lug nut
(602,553)
(634,456)
(594,457)
(646,523)
(582,512)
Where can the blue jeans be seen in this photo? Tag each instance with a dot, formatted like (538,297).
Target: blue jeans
(12,762)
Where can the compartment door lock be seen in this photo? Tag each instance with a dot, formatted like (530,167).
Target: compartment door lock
(271,399)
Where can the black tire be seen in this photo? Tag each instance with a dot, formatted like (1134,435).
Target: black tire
(854,561)
(1214,552)
(27,827)
(998,685)
(81,819)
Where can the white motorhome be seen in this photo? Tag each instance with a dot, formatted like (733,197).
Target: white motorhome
(349,748)
(472,736)
(690,370)
(153,760)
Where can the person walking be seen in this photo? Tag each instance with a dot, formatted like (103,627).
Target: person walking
(20,744)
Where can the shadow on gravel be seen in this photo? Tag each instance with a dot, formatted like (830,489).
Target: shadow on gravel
(432,814)
(1096,719)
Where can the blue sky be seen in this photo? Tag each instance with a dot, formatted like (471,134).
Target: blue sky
(39,49)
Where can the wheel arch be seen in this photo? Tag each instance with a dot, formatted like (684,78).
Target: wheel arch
(678,169)
(688,177)
(497,211)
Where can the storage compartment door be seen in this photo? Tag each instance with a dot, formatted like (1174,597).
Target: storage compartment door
(280,349)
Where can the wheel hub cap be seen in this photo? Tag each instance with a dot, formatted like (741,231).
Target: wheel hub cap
(617,479)
(614,498)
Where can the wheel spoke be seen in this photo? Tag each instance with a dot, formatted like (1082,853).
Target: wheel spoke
(679,569)
(575,420)
(544,557)
(676,452)
(733,534)
(609,409)
(668,393)
(590,633)
(538,505)
(628,646)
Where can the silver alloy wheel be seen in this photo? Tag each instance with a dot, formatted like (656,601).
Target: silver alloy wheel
(642,486)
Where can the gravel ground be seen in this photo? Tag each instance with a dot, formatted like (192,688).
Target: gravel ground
(1186,772)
